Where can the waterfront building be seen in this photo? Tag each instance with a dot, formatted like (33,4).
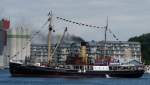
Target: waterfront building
(92,52)
(18,45)
(39,53)
(3,58)
(122,52)
(62,52)
(4,26)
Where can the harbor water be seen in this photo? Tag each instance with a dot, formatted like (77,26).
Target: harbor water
(6,79)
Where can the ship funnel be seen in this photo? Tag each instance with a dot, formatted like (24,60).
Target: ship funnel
(83,52)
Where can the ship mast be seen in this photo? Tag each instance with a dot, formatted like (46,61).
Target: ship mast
(49,37)
(105,41)
(106,27)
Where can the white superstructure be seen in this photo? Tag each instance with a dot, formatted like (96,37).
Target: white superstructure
(101,68)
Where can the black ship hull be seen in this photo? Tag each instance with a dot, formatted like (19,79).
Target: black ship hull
(21,70)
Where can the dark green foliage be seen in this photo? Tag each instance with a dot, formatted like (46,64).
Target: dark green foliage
(145,46)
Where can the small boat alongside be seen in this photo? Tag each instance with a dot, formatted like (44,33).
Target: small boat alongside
(147,68)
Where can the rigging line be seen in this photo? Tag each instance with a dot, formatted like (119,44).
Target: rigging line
(79,23)
(114,36)
(37,32)
(82,24)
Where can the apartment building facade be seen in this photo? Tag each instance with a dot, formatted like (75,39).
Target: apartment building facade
(118,51)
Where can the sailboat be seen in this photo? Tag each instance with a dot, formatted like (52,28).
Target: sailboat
(80,67)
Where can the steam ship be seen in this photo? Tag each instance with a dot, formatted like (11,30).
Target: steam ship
(79,67)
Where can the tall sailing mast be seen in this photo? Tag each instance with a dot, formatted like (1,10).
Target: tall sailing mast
(106,28)
(105,41)
(49,37)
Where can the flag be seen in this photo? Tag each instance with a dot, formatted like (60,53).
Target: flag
(94,26)
(90,25)
(83,24)
(114,36)
(98,27)
(77,23)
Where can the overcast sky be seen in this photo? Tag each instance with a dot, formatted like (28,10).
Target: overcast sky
(127,18)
